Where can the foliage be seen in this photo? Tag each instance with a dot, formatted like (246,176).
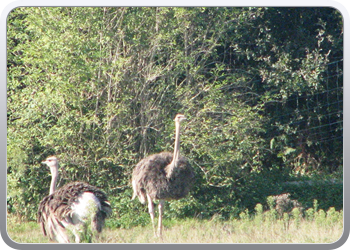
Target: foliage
(99,87)
(327,194)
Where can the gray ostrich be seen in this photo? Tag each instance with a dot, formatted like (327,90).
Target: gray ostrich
(75,206)
(163,176)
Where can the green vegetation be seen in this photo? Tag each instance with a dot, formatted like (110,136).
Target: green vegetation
(262,89)
(262,227)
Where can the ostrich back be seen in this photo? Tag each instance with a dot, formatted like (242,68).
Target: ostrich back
(149,176)
(56,211)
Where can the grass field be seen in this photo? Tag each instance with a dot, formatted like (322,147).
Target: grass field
(315,227)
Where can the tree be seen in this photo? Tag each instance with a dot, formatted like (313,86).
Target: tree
(99,87)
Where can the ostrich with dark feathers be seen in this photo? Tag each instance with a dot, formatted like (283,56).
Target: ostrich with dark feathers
(163,176)
(72,208)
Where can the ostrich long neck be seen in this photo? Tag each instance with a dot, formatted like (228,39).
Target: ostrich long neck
(54,175)
(176,150)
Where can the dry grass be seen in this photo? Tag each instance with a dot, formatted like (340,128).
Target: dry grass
(194,231)
(323,228)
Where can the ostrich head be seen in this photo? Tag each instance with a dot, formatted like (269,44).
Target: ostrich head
(52,162)
(179,118)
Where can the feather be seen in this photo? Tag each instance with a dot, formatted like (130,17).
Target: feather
(163,176)
(149,176)
(69,207)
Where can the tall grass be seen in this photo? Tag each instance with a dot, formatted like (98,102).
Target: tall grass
(316,226)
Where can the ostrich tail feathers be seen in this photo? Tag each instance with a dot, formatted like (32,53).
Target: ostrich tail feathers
(138,191)
(134,189)
(142,198)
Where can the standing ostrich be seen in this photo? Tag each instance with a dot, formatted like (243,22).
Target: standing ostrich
(75,206)
(163,176)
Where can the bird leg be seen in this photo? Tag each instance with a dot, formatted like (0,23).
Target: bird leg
(77,238)
(160,208)
(151,211)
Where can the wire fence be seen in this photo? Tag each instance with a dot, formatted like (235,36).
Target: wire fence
(316,116)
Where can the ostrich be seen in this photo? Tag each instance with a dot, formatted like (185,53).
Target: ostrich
(75,206)
(163,176)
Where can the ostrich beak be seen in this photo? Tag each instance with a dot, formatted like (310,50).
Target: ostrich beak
(180,118)
(44,163)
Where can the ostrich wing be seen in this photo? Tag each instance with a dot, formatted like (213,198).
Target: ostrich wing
(149,177)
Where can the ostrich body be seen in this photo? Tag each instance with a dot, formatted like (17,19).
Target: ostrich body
(75,206)
(163,176)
